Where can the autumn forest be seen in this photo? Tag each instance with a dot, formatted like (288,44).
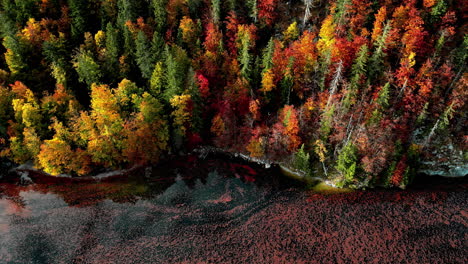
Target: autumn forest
(353,90)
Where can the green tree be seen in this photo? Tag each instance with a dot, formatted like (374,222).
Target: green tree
(56,53)
(79,18)
(216,10)
(144,56)
(346,163)
(160,14)
(376,62)
(87,68)
(127,11)
(359,72)
(267,58)
(176,72)
(15,55)
(111,62)
(302,161)
(157,46)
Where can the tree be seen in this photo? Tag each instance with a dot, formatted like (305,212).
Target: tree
(144,56)
(376,61)
(359,73)
(112,51)
(286,131)
(245,42)
(105,140)
(302,161)
(291,33)
(160,14)
(55,51)
(379,23)
(15,54)
(182,105)
(346,163)
(190,32)
(158,80)
(87,68)
(253,10)
(127,11)
(266,11)
(215,10)
(176,71)
(146,135)
(79,18)
(327,36)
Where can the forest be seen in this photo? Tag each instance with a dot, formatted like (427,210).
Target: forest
(354,90)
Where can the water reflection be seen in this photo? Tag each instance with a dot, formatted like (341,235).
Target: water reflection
(224,212)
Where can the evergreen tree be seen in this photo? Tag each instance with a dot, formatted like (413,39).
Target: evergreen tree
(216,10)
(267,58)
(144,56)
(157,46)
(376,62)
(79,18)
(358,71)
(127,11)
(346,163)
(111,62)
(160,14)
(176,72)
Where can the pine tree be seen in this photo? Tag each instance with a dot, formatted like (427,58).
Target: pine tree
(252,7)
(346,163)
(158,81)
(55,51)
(267,58)
(144,56)
(160,14)
(127,11)
(79,18)
(176,72)
(376,62)
(157,46)
(216,10)
(359,71)
(111,62)
(245,58)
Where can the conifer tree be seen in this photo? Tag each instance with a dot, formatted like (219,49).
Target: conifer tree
(158,82)
(216,10)
(160,14)
(144,56)
(176,71)
(358,71)
(79,18)
(111,62)
(346,163)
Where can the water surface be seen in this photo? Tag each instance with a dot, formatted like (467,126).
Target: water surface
(217,211)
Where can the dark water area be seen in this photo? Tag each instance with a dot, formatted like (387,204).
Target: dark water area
(216,210)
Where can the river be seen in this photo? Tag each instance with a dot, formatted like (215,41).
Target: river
(227,211)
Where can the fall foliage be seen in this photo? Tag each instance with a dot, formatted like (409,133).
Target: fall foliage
(358,88)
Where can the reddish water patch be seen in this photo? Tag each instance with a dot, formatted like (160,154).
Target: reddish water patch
(197,215)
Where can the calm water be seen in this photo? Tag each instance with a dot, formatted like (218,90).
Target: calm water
(214,211)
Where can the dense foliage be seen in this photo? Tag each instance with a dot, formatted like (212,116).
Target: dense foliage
(353,89)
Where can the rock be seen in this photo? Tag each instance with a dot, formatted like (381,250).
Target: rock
(444,158)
